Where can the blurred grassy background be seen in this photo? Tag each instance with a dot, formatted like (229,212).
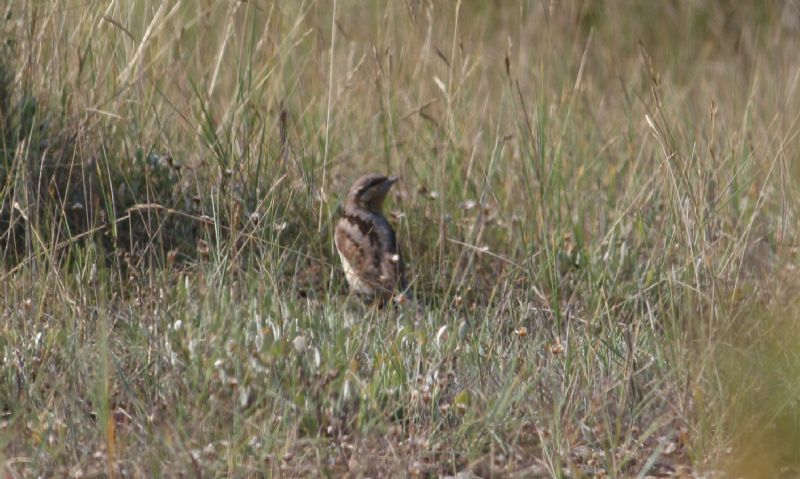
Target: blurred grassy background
(599,206)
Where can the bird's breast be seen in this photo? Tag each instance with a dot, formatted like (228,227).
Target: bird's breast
(356,284)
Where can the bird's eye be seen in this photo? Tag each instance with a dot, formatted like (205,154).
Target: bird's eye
(374,182)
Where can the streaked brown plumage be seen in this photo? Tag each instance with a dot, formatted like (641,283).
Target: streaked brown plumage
(366,242)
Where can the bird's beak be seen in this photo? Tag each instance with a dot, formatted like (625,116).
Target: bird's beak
(392,180)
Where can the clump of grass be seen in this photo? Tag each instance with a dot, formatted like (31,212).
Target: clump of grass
(751,381)
(595,199)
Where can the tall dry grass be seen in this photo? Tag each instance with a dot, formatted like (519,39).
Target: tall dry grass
(598,203)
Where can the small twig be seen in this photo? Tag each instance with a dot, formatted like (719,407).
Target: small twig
(485,251)
(64,244)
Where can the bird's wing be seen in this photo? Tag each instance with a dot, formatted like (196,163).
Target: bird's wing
(392,265)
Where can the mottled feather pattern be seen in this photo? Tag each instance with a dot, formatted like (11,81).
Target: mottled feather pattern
(366,241)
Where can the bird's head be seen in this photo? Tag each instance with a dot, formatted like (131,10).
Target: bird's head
(369,191)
